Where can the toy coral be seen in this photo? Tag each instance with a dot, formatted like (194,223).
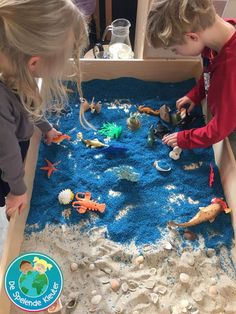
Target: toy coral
(50,168)
(90,143)
(208,213)
(65,197)
(111,130)
(84,203)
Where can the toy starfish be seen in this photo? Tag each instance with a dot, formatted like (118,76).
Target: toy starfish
(50,167)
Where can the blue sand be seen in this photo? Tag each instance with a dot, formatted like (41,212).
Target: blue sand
(155,198)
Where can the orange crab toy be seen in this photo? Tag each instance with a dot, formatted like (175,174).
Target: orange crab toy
(85,203)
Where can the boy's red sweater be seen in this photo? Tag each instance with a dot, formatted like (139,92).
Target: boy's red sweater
(221,97)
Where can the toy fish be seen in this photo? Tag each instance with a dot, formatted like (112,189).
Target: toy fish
(148,110)
(90,143)
(58,139)
(208,213)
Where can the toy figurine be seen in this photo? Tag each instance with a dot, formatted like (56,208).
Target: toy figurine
(82,204)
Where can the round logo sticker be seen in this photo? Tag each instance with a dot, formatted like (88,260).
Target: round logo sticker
(33,282)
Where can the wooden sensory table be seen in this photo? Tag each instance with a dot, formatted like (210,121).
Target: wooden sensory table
(162,70)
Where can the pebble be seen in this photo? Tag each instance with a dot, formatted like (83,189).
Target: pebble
(184,278)
(96,299)
(115,284)
(161,290)
(168,246)
(150,284)
(94,292)
(91,267)
(213,291)
(74,266)
(197,296)
(139,259)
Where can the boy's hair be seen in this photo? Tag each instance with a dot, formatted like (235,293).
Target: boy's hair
(53,30)
(169,20)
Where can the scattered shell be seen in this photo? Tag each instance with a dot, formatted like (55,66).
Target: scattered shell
(161,290)
(124,287)
(153,271)
(187,258)
(197,296)
(55,307)
(150,284)
(161,165)
(213,291)
(65,197)
(115,284)
(94,292)
(105,280)
(96,299)
(91,267)
(132,285)
(177,150)
(118,310)
(174,155)
(184,278)
(147,248)
(154,297)
(66,213)
(189,235)
(74,266)
(168,246)
(71,304)
(210,252)
(139,259)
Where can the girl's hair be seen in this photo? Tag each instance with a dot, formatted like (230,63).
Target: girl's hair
(54,31)
(169,20)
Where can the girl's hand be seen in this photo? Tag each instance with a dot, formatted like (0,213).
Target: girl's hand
(170,139)
(50,135)
(14,202)
(182,102)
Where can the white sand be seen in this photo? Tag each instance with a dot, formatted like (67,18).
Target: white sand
(148,280)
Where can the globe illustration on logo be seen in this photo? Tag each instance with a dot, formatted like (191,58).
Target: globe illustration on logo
(33,284)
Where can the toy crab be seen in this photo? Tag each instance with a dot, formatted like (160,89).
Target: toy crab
(84,203)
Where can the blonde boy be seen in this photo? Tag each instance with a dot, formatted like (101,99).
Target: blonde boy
(190,28)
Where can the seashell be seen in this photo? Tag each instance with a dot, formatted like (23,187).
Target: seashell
(189,235)
(71,304)
(115,284)
(124,287)
(105,280)
(139,259)
(91,267)
(149,284)
(161,290)
(94,292)
(153,271)
(154,297)
(96,299)
(168,246)
(213,291)
(118,310)
(187,258)
(132,285)
(55,307)
(210,253)
(197,296)
(184,278)
(165,113)
(65,197)
(161,165)
(174,155)
(74,266)
(177,150)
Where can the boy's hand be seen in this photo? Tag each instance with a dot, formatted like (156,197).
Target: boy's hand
(50,135)
(182,102)
(170,139)
(14,202)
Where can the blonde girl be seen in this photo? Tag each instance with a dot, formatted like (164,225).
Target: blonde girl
(37,37)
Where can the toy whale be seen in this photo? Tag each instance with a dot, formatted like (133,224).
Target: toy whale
(208,213)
